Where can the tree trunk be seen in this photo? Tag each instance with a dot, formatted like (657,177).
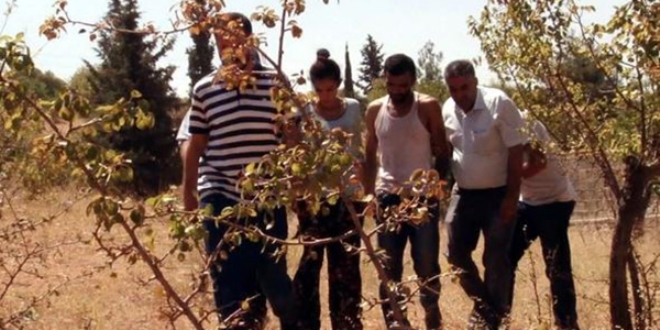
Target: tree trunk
(636,286)
(632,208)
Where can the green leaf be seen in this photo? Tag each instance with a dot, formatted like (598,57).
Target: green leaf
(137,217)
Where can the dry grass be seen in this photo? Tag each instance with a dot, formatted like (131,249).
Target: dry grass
(93,298)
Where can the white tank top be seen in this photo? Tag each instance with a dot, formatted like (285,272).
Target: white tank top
(404,145)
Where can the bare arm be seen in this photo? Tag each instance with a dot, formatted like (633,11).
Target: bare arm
(435,125)
(191,154)
(370,149)
(536,161)
(513,180)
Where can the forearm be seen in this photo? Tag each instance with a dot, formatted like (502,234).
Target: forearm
(514,173)
(190,175)
(530,169)
(369,176)
(442,165)
(191,154)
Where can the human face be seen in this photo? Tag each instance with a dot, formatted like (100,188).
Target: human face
(399,87)
(463,91)
(326,90)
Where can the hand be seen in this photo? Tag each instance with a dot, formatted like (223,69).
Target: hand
(190,202)
(536,158)
(508,209)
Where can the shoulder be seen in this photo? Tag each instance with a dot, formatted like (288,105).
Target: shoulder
(206,84)
(351,102)
(265,73)
(448,107)
(428,103)
(373,108)
(353,106)
(377,104)
(493,94)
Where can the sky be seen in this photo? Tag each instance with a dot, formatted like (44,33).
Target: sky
(401,26)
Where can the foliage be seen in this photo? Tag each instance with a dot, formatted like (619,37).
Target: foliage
(318,167)
(371,66)
(129,63)
(80,82)
(349,90)
(44,85)
(429,76)
(596,86)
(200,54)
(430,72)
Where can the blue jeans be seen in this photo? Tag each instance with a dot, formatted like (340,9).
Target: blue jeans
(247,272)
(425,246)
(478,211)
(549,222)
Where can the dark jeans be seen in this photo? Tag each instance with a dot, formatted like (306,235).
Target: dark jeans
(478,211)
(550,222)
(247,272)
(344,280)
(425,245)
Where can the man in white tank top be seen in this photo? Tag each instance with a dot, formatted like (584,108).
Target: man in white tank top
(484,128)
(405,133)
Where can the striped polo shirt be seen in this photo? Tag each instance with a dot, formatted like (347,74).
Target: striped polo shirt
(240,128)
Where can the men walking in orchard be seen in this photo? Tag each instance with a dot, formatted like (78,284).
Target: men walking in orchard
(484,128)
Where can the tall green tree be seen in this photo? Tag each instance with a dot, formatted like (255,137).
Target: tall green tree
(349,89)
(129,62)
(429,70)
(371,67)
(200,54)
(45,85)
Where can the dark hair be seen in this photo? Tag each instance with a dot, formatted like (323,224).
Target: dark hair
(399,64)
(245,22)
(324,67)
(459,68)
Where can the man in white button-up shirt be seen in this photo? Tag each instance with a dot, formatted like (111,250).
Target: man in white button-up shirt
(484,127)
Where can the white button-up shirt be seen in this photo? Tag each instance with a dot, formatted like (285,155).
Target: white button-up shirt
(481,138)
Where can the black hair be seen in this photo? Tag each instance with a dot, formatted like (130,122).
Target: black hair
(459,68)
(399,64)
(324,67)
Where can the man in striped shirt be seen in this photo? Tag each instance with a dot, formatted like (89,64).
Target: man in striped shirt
(228,130)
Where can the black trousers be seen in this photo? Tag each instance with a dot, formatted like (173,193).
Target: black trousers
(476,212)
(549,222)
(344,280)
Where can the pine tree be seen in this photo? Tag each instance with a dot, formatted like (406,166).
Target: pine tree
(372,64)
(129,62)
(200,55)
(349,91)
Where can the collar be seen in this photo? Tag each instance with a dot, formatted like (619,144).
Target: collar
(479,105)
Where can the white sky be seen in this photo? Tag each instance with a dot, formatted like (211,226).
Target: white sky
(402,26)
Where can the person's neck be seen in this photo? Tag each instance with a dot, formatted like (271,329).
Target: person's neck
(332,110)
(471,107)
(405,105)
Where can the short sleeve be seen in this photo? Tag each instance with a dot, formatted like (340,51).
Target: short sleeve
(198,123)
(510,123)
(183,133)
